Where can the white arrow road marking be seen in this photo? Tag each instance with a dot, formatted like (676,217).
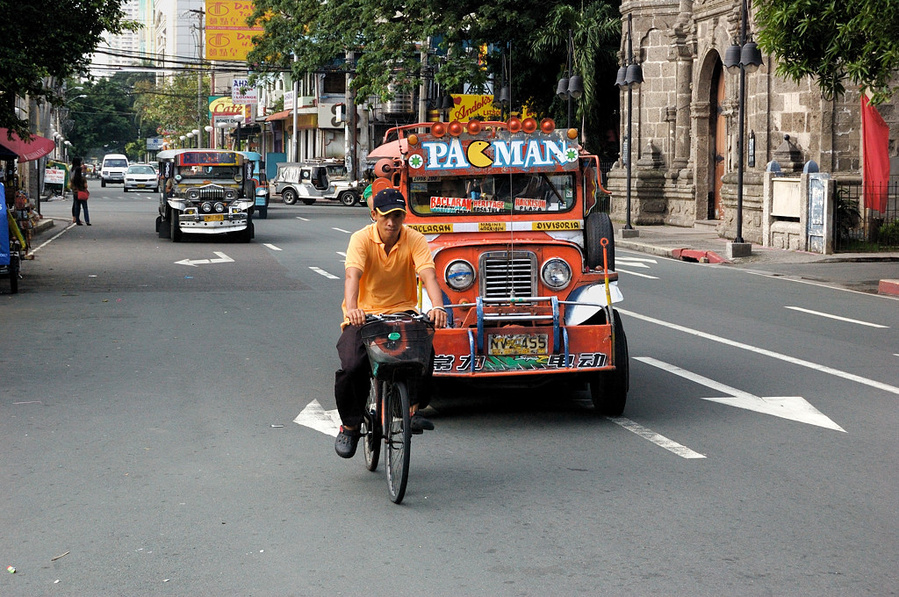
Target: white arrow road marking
(659,440)
(304,219)
(794,408)
(341,230)
(316,417)
(636,259)
(837,317)
(222,258)
(272,247)
(641,263)
(768,353)
(322,272)
(630,273)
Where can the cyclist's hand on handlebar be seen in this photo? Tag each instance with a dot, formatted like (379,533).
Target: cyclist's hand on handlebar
(355,316)
(437,317)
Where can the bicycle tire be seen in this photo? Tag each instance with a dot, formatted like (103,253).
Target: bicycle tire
(372,434)
(398,438)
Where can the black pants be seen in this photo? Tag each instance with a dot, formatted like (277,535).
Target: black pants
(352,381)
(77,206)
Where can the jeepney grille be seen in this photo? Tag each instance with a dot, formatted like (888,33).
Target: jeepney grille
(212,194)
(505,274)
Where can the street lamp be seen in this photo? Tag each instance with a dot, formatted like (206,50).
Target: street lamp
(570,87)
(209,136)
(190,137)
(629,77)
(196,133)
(222,126)
(742,58)
(239,118)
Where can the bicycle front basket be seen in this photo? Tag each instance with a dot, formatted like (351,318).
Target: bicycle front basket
(402,343)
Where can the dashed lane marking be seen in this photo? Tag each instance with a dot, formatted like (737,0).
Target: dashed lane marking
(837,317)
(272,247)
(322,272)
(659,440)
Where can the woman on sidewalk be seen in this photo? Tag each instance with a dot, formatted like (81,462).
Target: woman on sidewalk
(78,184)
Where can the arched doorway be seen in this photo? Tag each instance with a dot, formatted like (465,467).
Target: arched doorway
(717,142)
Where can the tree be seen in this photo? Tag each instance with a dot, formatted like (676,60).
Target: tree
(470,41)
(833,42)
(171,106)
(102,115)
(44,42)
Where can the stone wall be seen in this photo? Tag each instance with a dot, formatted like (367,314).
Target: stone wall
(679,44)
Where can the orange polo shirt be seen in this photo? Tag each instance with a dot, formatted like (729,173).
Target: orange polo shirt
(388,282)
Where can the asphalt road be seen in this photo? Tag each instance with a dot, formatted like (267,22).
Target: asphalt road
(147,433)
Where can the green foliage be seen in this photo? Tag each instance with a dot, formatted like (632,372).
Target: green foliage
(888,234)
(470,41)
(101,118)
(45,42)
(173,106)
(833,42)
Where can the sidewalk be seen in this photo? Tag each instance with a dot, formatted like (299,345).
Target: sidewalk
(871,272)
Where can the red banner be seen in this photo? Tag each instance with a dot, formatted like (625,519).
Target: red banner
(876,156)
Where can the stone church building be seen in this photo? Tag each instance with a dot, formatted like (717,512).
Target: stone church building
(685,122)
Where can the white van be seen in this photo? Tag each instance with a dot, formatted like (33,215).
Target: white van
(113,168)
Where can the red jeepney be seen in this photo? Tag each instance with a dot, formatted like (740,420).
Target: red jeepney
(524,257)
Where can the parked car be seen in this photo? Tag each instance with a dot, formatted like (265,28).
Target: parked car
(139,176)
(113,168)
(308,181)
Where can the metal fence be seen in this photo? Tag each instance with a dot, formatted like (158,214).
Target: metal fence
(865,230)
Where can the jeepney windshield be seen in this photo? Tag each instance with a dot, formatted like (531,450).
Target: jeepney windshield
(493,194)
(208,171)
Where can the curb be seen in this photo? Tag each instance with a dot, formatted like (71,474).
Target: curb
(890,287)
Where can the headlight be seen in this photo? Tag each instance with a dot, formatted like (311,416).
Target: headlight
(193,194)
(178,177)
(219,207)
(556,273)
(206,208)
(459,275)
(230,194)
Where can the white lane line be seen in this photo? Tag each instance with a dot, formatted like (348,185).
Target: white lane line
(769,353)
(638,259)
(341,253)
(50,240)
(272,247)
(341,230)
(659,440)
(837,317)
(304,219)
(322,272)
(618,269)
(792,408)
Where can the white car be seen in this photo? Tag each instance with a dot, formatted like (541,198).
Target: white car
(139,177)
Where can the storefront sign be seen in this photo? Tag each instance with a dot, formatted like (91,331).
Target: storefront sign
(228,37)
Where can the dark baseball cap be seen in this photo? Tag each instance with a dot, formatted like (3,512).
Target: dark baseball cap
(388,200)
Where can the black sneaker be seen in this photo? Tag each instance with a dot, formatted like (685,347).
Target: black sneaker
(419,424)
(346,442)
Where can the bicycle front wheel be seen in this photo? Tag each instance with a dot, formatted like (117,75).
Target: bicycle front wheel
(371,426)
(397,437)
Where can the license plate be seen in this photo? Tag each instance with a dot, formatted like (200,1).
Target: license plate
(140,185)
(215,218)
(509,344)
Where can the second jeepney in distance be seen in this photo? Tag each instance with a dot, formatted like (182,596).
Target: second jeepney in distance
(205,191)
(524,256)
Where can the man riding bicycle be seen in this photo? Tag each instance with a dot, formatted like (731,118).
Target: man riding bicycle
(382,261)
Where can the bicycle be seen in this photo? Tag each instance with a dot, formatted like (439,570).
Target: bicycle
(399,350)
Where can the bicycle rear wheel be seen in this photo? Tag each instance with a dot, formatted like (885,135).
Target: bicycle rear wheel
(398,437)
(371,426)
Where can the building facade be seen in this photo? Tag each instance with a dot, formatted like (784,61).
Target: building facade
(685,121)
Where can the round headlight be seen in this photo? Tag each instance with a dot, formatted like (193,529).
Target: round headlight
(206,208)
(178,177)
(459,275)
(230,194)
(556,273)
(193,194)
(219,207)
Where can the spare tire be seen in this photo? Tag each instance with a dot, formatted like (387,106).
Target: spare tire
(597,227)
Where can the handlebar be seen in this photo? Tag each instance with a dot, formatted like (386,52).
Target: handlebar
(398,317)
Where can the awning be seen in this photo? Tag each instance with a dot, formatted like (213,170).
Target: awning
(393,149)
(279,115)
(26,151)
(305,120)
